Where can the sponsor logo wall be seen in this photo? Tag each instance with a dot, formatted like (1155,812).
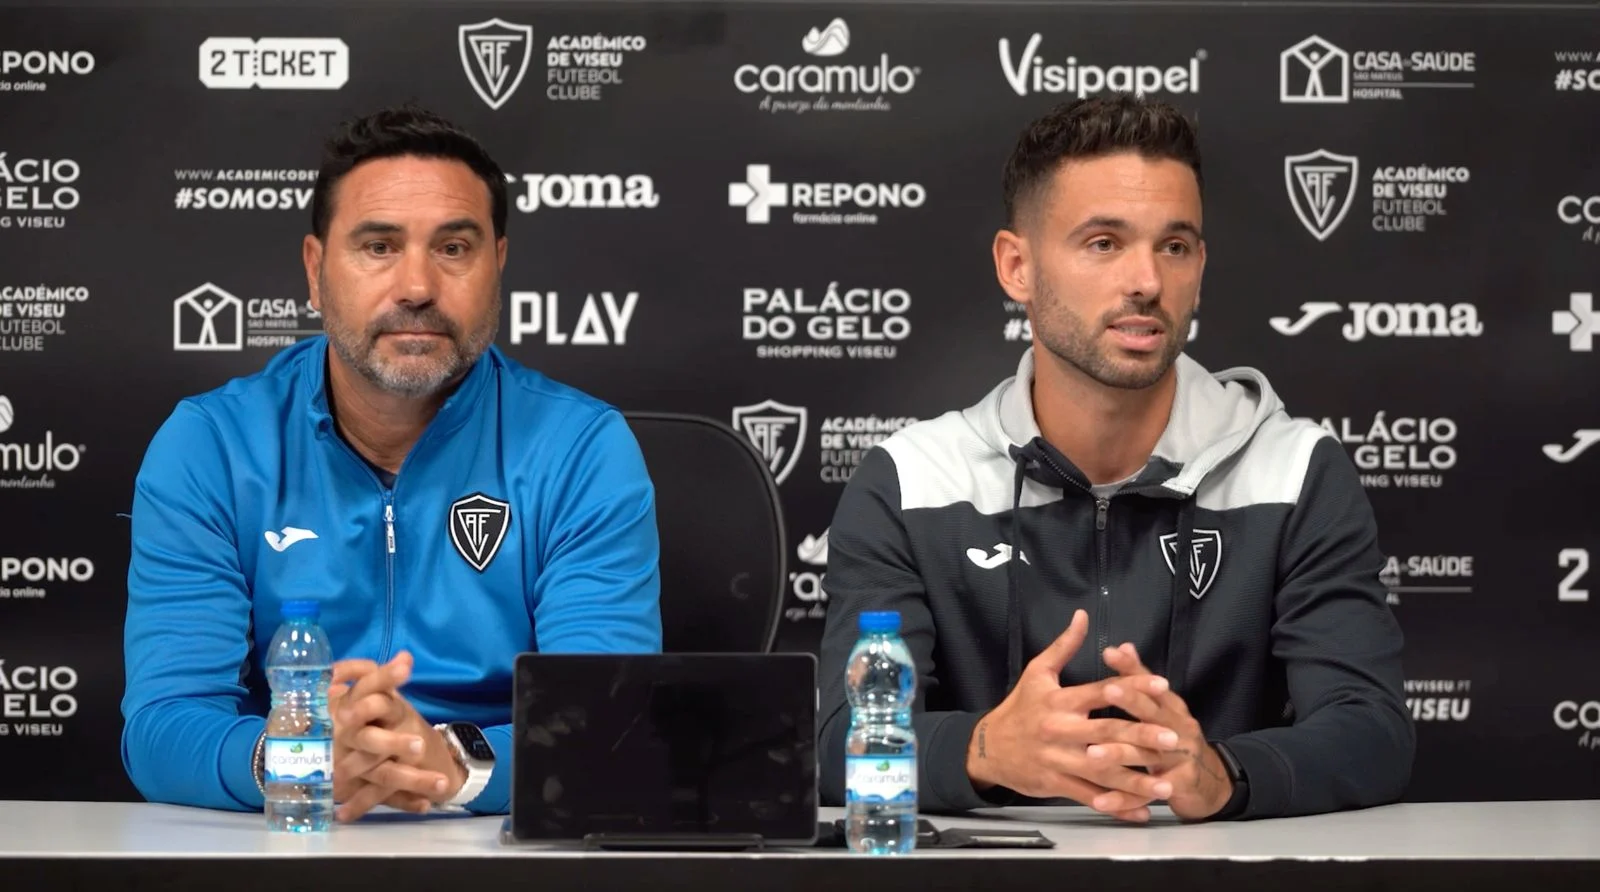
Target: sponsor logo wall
(781,219)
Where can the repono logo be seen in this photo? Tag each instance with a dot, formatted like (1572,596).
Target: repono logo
(19,68)
(760,193)
(1579,323)
(21,577)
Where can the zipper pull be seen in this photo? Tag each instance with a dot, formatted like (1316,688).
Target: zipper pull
(388,520)
(1099,514)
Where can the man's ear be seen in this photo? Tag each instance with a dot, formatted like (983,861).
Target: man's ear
(311,250)
(1013,264)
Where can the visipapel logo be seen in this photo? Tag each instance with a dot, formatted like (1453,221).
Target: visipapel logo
(758,194)
(1580,323)
(830,41)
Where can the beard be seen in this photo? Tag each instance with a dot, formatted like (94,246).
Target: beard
(421,367)
(1069,338)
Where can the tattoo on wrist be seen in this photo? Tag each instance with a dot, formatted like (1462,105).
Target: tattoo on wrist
(982,749)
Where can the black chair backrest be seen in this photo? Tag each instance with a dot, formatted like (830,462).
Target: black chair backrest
(724,570)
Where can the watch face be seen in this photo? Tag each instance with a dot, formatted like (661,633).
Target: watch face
(473,742)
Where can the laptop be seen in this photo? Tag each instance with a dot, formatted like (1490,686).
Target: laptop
(664,750)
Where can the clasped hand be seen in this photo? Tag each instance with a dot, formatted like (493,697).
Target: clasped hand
(384,751)
(1041,742)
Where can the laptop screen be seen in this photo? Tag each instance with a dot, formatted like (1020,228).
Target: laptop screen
(665,744)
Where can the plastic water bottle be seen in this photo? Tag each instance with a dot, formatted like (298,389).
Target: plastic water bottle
(881,754)
(298,771)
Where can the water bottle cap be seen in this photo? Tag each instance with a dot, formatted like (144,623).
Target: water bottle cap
(301,609)
(875,621)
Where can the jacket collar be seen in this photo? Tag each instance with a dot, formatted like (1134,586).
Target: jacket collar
(1213,416)
(457,408)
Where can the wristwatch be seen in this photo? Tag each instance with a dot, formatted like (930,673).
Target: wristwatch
(1241,784)
(473,753)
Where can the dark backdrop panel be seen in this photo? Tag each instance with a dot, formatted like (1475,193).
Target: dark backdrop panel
(1442,326)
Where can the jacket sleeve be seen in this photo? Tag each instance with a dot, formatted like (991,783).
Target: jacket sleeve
(871,567)
(1352,741)
(187,631)
(599,584)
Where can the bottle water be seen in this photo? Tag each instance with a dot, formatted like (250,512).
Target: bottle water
(881,754)
(298,771)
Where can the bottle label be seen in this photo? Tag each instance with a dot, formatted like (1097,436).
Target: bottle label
(298,760)
(885,780)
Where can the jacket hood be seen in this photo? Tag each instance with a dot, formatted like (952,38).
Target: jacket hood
(1213,416)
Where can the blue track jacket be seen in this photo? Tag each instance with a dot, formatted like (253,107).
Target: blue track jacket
(522,520)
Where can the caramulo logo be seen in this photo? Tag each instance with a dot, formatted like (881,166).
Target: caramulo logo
(831,87)
(1384,320)
(1028,73)
(585,190)
(42,458)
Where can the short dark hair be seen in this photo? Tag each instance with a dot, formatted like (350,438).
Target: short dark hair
(391,133)
(1091,128)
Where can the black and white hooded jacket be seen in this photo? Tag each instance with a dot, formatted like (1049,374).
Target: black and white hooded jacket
(1242,562)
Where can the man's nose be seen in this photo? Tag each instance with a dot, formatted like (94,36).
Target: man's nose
(1141,275)
(418,279)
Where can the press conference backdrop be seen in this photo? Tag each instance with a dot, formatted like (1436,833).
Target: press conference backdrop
(780,216)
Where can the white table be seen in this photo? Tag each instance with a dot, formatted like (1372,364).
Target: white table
(1532,845)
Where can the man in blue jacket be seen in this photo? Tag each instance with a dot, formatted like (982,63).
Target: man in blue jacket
(447,507)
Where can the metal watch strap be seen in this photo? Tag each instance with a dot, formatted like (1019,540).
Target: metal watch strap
(258,763)
(476,778)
